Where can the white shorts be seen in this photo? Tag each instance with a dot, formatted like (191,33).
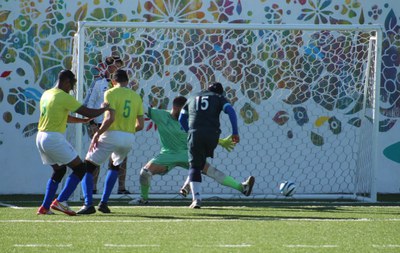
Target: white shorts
(115,143)
(54,148)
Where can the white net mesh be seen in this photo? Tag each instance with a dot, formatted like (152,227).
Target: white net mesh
(304,100)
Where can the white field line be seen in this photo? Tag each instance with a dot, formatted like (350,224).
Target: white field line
(42,245)
(196,220)
(309,246)
(243,245)
(386,246)
(11,206)
(130,245)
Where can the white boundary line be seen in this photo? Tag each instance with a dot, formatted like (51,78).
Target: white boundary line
(11,206)
(130,245)
(42,245)
(310,246)
(386,246)
(198,220)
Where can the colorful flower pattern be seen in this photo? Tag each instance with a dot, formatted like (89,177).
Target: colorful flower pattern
(42,38)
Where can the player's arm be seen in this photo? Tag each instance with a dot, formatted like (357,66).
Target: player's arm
(139,123)
(72,119)
(183,119)
(228,109)
(91,112)
(109,117)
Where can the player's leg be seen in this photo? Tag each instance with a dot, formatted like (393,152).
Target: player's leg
(121,143)
(51,188)
(197,159)
(78,168)
(121,178)
(87,188)
(95,174)
(146,173)
(111,179)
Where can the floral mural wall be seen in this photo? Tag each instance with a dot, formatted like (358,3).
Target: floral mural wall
(36,42)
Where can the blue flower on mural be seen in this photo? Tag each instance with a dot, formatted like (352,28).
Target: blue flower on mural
(300,115)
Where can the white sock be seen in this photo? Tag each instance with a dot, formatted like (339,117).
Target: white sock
(196,190)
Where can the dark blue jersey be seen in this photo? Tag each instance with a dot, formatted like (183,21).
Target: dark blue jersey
(204,110)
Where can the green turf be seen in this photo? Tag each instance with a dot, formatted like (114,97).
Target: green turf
(220,226)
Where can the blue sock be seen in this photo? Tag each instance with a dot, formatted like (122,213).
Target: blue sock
(51,190)
(70,186)
(87,188)
(111,178)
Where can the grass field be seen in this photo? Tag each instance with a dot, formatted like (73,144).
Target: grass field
(220,226)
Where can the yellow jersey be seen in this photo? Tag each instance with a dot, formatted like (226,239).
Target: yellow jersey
(127,106)
(55,105)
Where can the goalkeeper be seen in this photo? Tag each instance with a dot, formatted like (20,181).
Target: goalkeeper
(174,152)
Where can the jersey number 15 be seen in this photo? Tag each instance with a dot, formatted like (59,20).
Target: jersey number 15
(201,103)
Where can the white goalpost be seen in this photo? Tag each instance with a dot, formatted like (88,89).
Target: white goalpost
(307,99)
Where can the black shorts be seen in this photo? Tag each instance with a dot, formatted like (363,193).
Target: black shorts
(201,144)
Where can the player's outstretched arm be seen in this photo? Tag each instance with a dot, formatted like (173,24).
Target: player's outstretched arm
(91,112)
(228,109)
(72,119)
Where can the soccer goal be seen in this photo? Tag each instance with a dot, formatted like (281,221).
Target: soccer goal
(307,99)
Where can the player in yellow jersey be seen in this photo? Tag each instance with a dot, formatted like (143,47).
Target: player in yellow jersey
(115,137)
(54,149)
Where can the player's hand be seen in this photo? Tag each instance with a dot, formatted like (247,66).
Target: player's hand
(227,143)
(94,142)
(235,138)
(92,129)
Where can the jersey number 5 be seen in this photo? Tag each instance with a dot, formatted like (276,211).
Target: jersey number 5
(127,109)
(201,103)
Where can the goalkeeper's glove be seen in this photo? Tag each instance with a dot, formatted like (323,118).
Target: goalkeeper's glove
(227,143)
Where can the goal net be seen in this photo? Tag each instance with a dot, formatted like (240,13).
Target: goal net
(306,99)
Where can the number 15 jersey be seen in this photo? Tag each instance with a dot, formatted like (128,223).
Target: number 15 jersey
(204,110)
(128,106)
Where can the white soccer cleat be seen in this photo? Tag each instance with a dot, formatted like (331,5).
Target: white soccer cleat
(248,185)
(184,191)
(196,204)
(139,202)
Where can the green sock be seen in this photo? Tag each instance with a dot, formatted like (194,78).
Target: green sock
(230,182)
(144,189)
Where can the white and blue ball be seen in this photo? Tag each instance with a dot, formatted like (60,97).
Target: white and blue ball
(287,188)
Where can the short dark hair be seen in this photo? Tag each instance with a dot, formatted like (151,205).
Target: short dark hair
(216,87)
(66,74)
(120,76)
(179,101)
(113,59)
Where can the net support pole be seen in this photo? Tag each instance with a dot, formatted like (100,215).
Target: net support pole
(375,143)
(79,96)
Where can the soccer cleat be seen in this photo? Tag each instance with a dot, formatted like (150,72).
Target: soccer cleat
(139,201)
(86,210)
(123,192)
(43,211)
(103,207)
(248,186)
(184,191)
(62,207)
(196,204)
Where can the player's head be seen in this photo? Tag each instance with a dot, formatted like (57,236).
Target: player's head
(120,76)
(179,101)
(67,77)
(216,87)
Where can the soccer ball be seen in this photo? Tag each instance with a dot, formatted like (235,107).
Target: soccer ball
(287,188)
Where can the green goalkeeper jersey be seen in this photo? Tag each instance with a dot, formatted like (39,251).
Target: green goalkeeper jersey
(173,139)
